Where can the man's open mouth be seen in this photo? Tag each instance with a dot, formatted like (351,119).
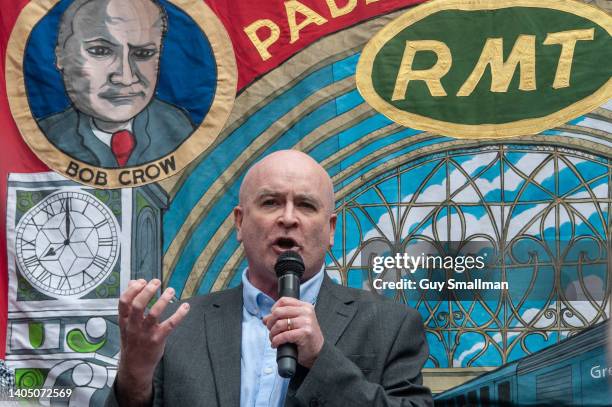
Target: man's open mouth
(285,243)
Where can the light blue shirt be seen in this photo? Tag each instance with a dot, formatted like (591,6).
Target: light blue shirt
(260,384)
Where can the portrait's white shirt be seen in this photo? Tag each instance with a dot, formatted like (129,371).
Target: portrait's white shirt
(104,136)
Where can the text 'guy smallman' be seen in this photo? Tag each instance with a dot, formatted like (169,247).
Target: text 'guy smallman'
(458,264)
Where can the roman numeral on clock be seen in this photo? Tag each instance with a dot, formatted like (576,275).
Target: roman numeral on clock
(36,225)
(48,210)
(30,261)
(29,242)
(62,282)
(88,275)
(101,223)
(105,241)
(44,277)
(100,262)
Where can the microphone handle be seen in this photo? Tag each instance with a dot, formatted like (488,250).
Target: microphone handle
(286,354)
(289,286)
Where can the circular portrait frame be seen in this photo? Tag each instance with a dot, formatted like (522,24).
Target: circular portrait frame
(202,137)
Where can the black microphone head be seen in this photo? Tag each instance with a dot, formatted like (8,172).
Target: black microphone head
(289,262)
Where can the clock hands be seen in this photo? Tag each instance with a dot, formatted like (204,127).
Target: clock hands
(50,252)
(67,206)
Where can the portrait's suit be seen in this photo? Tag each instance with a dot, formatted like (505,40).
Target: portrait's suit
(372,355)
(158,130)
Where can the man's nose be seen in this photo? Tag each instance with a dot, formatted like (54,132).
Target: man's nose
(288,217)
(125,73)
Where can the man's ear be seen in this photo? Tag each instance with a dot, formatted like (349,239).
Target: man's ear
(332,228)
(238,214)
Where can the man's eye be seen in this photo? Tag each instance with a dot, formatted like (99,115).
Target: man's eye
(144,53)
(307,205)
(99,51)
(268,202)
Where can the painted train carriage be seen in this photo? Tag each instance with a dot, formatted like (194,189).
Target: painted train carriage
(573,372)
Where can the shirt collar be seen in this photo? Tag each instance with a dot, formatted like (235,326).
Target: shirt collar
(259,304)
(104,136)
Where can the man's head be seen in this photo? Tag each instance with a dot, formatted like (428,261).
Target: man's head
(286,203)
(108,53)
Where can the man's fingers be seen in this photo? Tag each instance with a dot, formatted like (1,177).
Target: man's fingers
(292,336)
(125,300)
(159,307)
(284,301)
(282,325)
(284,313)
(142,299)
(168,325)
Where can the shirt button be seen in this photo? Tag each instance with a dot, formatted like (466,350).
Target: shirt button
(268,370)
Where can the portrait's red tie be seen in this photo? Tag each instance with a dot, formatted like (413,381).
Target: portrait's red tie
(122,145)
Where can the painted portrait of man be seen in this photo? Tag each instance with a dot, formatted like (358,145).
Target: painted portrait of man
(108,53)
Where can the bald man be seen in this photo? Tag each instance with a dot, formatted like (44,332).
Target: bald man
(108,54)
(354,348)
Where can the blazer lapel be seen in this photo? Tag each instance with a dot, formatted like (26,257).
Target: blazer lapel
(223,320)
(101,151)
(334,309)
(140,129)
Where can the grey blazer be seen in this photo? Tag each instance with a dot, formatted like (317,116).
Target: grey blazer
(373,353)
(158,130)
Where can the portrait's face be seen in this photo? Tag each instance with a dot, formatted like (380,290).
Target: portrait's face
(110,62)
(286,207)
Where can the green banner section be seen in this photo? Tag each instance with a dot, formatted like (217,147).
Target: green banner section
(541,40)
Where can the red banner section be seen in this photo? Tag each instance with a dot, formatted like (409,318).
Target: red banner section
(15,156)
(267,35)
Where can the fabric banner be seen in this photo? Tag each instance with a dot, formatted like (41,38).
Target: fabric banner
(63,308)
(440,122)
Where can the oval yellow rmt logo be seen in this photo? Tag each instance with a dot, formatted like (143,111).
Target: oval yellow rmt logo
(489,68)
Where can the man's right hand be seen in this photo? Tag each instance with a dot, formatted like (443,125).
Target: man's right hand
(143,338)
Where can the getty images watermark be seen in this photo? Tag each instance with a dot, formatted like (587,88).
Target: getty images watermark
(434,268)
(457,264)
(534,269)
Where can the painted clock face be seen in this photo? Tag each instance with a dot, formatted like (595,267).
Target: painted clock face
(67,244)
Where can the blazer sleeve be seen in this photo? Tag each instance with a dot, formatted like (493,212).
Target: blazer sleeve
(334,380)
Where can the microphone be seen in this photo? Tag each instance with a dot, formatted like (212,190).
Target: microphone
(289,268)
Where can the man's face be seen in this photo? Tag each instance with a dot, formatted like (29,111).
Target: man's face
(286,206)
(110,62)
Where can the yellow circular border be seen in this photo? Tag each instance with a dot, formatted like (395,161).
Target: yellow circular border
(202,138)
(480,131)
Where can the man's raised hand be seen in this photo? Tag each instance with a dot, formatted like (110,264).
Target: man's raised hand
(143,337)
